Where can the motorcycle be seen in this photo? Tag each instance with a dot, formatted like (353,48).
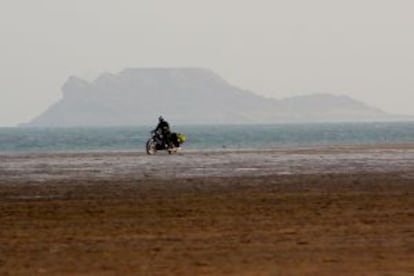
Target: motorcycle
(157,142)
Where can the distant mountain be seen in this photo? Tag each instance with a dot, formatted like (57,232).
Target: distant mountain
(188,96)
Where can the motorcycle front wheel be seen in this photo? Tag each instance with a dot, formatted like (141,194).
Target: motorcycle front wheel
(151,147)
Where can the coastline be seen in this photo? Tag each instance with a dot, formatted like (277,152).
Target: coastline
(108,165)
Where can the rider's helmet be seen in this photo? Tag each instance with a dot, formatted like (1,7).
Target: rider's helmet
(160,119)
(181,138)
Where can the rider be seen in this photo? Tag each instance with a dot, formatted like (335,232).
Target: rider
(163,128)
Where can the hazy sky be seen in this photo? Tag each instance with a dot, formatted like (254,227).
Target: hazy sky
(363,48)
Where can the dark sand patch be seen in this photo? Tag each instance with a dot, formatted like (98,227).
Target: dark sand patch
(321,224)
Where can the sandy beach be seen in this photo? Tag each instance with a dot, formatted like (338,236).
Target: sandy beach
(346,210)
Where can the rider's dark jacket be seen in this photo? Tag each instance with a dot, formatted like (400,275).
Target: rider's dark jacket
(164,128)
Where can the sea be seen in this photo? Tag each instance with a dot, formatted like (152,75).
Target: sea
(205,137)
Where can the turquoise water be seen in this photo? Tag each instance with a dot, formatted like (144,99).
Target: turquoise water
(206,137)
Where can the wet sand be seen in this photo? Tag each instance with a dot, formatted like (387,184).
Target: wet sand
(345,210)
